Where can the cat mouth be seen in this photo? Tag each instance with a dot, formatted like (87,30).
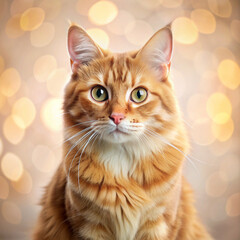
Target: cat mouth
(118,131)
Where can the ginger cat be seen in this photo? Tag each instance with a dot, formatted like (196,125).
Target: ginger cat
(125,144)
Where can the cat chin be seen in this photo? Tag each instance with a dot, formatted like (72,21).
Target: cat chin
(119,137)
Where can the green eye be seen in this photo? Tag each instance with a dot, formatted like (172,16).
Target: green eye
(139,95)
(99,94)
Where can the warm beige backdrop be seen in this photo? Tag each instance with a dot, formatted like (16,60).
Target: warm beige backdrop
(34,67)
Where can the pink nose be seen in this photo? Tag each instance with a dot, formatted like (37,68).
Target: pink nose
(117,117)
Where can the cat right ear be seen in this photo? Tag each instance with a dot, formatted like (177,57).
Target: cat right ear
(82,49)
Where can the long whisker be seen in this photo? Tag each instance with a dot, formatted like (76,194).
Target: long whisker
(153,133)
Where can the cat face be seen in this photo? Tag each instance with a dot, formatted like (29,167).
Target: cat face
(120,98)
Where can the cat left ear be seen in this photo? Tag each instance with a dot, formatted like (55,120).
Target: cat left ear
(82,49)
(157,52)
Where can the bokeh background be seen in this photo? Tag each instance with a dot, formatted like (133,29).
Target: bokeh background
(34,67)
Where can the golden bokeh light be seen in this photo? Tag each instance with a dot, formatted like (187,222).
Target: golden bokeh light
(223,132)
(201,132)
(11,212)
(204,20)
(42,36)
(4,188)
(200,101)
(32,19)
(56,82)
(51,114)
(10,82)
(118,25)
(12,166)
(2,104)
(24,183)
(138,32)
(84,8)
(233,205)
(229,73)
(102,12)
(185,31)
(43,159)
(44,67)
(13,28)
(19,6)
(221,8)
(216,184)
(12,132)
(235,26)
(99,36)
(219,108)
(23,112)
(171,3)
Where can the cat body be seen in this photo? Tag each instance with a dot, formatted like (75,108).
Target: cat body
(124,149)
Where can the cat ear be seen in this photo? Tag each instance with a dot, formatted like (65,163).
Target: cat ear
(157,52)
(82,49)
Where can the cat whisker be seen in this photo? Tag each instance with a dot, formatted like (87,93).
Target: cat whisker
(153,133)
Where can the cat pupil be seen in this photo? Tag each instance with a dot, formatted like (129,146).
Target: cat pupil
(139,94)
(99,92)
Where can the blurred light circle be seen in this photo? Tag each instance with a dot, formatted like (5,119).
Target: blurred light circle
(43,35)
(43,159)
(172,3)
(32,19)
(185,30)
(4,188)
(99,36)
(84,8)
(233,205)
(216,184)
(138,32)
(43,67)
(231,166)
(10,82)
(24,183)
(221,8)
(152,4)
(13,28)
(117,26)
(219,108)
(2,64)
(50,114)
(11,212)
(201,132)
(204,20)
(12,132)
(235,26)
(19,6)
(11,166)
(24,109)
(56,81)
(102,12)
(223,132)
(229,73)
(199,101)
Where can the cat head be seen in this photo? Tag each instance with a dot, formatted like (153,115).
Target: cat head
(120,98)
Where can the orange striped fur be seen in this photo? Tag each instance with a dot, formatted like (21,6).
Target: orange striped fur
(114,185)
